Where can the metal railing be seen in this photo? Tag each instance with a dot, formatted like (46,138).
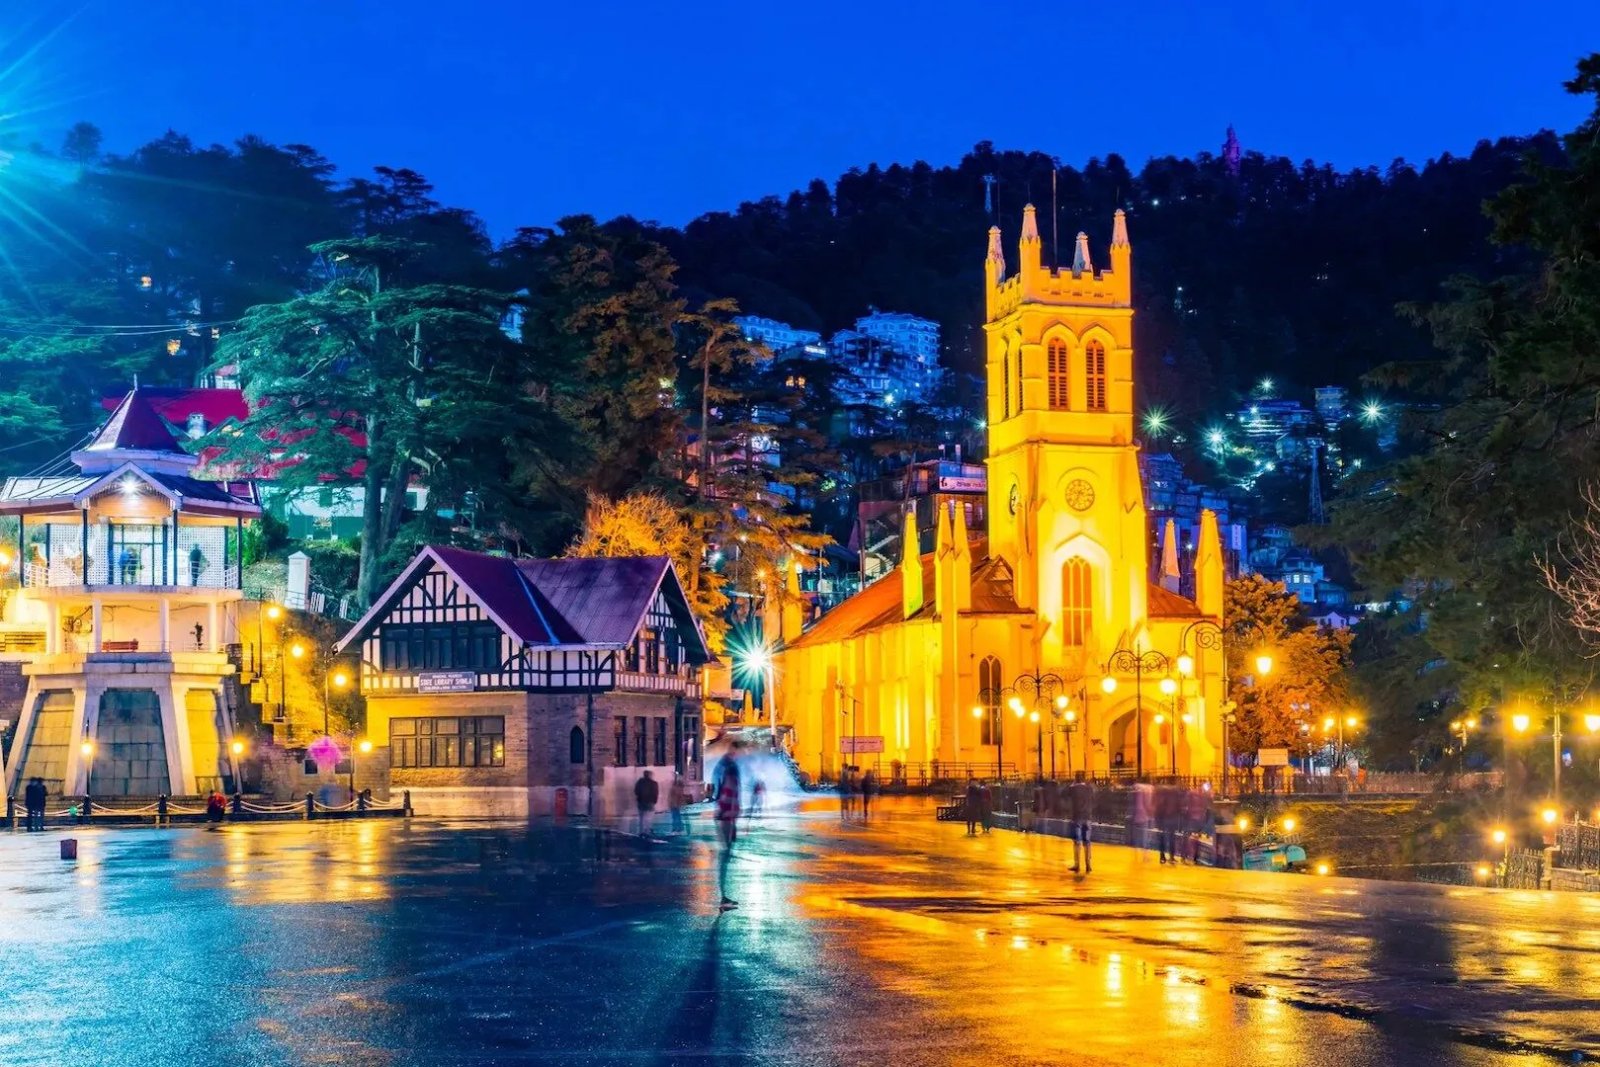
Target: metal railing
(83,810)
(63,575)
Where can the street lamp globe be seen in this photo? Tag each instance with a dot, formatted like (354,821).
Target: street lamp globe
(1061,703)
(1498,836)
(1591,723)
(1071,716)
(274,612)
(364,745)
(1033,717)
(1472,724)
(1549,815)
(297,650)
(1289,824)
(1328,723)
(1169,686)
(1520,722)
(340,680)
(238,748)
(1160,719)
(977,712)
(1263,664)
(87,748)
(1186,665)
(1108,684)
(1351,720)
(1015,704)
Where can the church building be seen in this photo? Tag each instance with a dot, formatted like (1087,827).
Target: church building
(1043,645)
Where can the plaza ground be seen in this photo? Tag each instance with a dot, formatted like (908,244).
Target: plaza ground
(903,941)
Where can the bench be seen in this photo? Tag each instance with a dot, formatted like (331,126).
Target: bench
(119,646)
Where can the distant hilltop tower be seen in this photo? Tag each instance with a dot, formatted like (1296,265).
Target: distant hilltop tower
(1230,153)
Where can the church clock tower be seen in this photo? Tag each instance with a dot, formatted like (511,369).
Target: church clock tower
(1066,507)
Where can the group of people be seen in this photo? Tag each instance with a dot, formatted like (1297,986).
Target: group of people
(1177,816)
(854,787)
(647,793)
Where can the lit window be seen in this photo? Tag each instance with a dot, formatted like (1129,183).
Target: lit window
(989,699)
(1077,599)
(1059,375)
(1094,362)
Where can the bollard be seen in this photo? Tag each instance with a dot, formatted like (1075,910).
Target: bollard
(69,848)
(163,817)
(87,814)
(238,804)
(361,802)
(406,806)
(311,805)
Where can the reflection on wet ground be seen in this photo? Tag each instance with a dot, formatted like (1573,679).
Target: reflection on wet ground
(392,943)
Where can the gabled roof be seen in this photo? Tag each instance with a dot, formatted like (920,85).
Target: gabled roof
(557,604)
(880,604)
(135,427)
(216,406)
(1164,604)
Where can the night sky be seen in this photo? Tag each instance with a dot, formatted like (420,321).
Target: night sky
(525,111)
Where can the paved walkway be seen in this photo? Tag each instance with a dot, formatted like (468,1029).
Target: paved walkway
(902,942)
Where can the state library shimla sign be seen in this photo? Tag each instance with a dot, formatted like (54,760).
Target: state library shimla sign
(447,682)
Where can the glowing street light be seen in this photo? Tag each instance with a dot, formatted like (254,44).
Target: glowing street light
(1263,664)
(1498,836)
(1289,824)
(238,748)
(1520,722)
(1186,665)
(1168,686)
(1108,685)
(1371,412)
(1549,815)
(1324,869)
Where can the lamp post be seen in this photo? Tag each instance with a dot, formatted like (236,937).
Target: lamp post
(1339,722)
(364,747)
(1209,635)
(86,749)
(339,679)
(759,660)
(1169,689)
(844,695)
(1138,664)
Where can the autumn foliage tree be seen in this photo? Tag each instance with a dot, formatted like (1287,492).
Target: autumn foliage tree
(1307,680)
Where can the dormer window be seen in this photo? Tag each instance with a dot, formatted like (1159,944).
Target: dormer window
(197,425)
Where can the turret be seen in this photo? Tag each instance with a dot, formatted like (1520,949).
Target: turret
(1029,248)
(1121,259)
(961,558)
(943,551)
(1209,571)
(910,567)
(994,270)
(1170,579)
(1081,263)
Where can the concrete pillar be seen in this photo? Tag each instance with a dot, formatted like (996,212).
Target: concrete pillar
(94,639)
(164,614)
(175,731)
(85,721)
(52,635)
(297,595)
(211,644)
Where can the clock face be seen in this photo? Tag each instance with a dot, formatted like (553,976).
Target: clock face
(1014,498)
(1080,495)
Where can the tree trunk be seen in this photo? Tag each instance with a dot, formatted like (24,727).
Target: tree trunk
(394,497)
(372,529)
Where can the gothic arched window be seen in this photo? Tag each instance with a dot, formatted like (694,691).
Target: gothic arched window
(989,699)
(576,752)
(1005,385)
(1059,374)
(1094,375)
(1077,602)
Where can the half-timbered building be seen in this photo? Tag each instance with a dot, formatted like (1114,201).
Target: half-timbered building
(501,686)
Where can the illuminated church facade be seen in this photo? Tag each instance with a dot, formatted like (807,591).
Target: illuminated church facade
(942,658)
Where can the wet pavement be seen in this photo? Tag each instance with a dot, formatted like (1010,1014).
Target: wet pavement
(903,942)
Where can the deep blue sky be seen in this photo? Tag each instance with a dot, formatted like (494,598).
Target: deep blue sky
(525,110)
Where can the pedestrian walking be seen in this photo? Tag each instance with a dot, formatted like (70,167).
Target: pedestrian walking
(847,788)
(1141,801)
(646,791)
(1080,816)
(1168,807)
(986,806)
(972,806)
(726,786)
(869,786)
(33,799)
(758,799)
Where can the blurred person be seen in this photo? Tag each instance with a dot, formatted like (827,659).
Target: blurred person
(677,797)
(646,791)
(869,786)
(725,791)
(1141,810)
(986,806)
(1080,817)
(972,807)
